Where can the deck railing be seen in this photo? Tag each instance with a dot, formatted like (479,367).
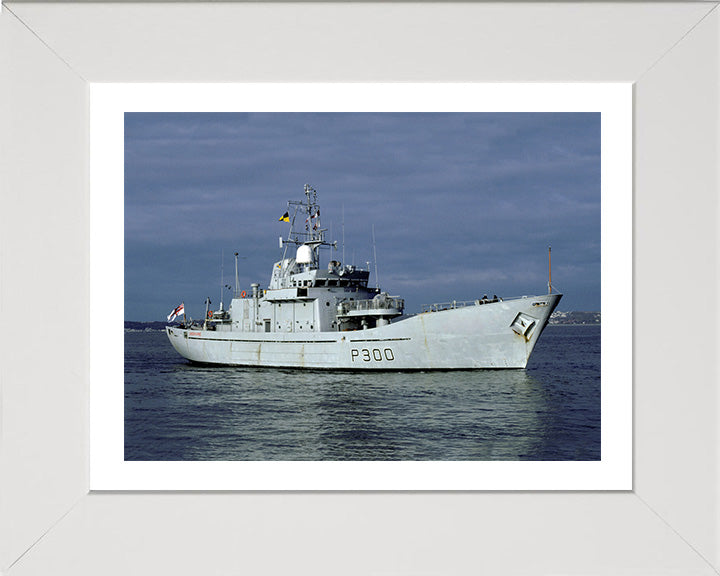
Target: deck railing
(437,307)
(372,304)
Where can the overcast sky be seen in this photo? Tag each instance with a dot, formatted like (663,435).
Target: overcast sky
(463,204)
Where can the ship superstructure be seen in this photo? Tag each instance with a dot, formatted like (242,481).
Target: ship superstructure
(311,316)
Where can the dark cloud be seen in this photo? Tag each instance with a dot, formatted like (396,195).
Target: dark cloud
(463,204)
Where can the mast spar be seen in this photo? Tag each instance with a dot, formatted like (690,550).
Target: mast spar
(222,276)
(377,280)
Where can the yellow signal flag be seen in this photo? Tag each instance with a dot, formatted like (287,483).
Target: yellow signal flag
(285,217)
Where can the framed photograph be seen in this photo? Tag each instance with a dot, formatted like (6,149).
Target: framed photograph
(60,515)
(531,153)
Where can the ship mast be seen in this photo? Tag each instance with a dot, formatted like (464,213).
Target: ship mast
(236,276)
(314,235)
(207,310)
(222,276)
(549,269)
(377,280)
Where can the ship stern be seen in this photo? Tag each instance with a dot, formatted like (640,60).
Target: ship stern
(178,339)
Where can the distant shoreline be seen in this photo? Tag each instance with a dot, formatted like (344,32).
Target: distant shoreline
(575,318)
(574,324)
(557,319)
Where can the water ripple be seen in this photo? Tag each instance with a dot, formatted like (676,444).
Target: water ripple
(550,411)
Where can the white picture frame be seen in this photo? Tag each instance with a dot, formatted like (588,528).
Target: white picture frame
(667,524)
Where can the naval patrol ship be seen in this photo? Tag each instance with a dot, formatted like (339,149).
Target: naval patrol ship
(311,316)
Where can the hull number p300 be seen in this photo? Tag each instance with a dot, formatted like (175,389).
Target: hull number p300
(376,354)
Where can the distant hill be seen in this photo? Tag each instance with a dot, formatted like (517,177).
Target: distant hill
(144,326)
(575,318)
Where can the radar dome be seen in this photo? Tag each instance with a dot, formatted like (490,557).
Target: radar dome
(304,255)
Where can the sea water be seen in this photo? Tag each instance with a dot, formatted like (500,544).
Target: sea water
(550,411)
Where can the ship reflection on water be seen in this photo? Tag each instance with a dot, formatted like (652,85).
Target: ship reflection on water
(434,416)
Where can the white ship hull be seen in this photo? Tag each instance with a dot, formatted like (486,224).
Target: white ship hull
(499,334)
